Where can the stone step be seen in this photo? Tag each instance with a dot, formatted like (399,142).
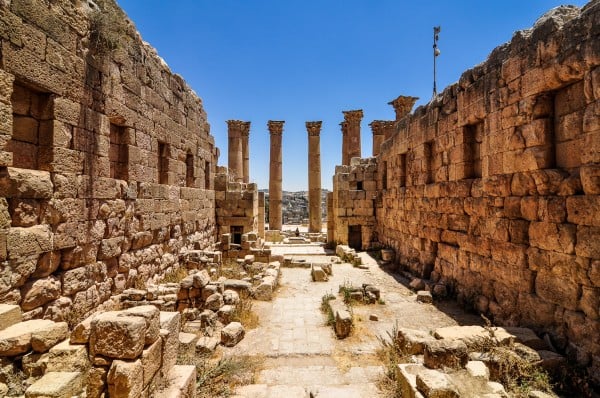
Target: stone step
(181,383)
(314,391)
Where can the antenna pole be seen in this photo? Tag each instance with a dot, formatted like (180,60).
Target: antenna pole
(436,53)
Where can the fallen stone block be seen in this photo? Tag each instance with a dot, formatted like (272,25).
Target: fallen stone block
(406,375)
(200,279)
(231,297)
(56,385)
(67,357)
(170,325)
(413,341)
(264,291)
(9,315)
(116,336)
(242,287)
(317,274)
(225,313)
(232,334)
(187,344)
(45,338)
(526,336)
(473,335)
(151,315)
(214,302)
(16,339)
(342,317)
(181,383)
(125,379)
(151,361)
(424,296)
(478,369)
(417,284)
(446,353)
(434,384)
(207,344)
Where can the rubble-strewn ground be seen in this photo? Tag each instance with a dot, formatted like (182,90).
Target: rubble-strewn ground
(302,353)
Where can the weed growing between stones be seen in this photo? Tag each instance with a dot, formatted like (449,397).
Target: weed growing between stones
(244,314)
(326,308)
(391,354)
(174,275)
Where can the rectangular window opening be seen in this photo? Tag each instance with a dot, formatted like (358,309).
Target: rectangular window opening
(402,167)
(359,185)
(118,154)
(384,176)
(473,140)
(32,125)
(189,170)
(206,175)
(163,163)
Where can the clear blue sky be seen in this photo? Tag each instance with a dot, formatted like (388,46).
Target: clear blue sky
(306,60)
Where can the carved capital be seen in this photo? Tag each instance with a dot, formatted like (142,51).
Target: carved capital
(354,116)
(236,126)
(377,127)
(403,105)
(275,127)
(245,129)
(344,127)
(313,128)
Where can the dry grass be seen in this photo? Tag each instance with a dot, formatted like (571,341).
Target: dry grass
(175,275)
(244,314)
(391,355)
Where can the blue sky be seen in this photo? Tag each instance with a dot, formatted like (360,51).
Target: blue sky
(307,60)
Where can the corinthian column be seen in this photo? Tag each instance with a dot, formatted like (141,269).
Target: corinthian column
(245,152)
(378,135)
(403,105)
(234,148)
(314,176)
(275,189)
(352,120)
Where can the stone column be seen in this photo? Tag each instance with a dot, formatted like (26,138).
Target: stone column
(403,105)
(352,136)
(261,214)
(314,177)
(275,189)
(377,128)
(389,129)
(245,153)
(235,157)
(345,159)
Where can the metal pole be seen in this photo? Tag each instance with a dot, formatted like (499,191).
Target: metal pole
(436,52)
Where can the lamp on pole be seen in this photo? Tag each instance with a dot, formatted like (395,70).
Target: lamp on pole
(436,53)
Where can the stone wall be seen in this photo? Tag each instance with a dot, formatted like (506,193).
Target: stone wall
(106,160)
(493,187)
(236,205)
(354,204)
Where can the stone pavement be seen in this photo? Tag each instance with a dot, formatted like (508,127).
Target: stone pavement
(302,355)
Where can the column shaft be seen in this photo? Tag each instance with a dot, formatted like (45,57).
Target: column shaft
(352,136)
(246,153)
(314,177)
(275,175)
(234,148)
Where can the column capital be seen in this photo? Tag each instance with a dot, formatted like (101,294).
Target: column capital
(353,116)
(275,127)
(245,129)
(236,125)
(403,105)
(313,128)
(377,127)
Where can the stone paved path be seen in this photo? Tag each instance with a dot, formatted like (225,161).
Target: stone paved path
(302,355)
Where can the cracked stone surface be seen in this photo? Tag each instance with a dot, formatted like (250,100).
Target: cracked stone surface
(301,353)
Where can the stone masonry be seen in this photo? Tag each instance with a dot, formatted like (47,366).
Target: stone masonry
(493,187)
(351,135)
(106,159)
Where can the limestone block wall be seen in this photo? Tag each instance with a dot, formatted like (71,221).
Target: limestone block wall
(354,204)
(493,187)
(236,204)
(106,160)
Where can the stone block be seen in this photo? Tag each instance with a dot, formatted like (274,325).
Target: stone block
(187,344)
(206,345)
(413,341)
(151,361)
(434,384)
(56,385)
(232,334)
(125,379)
(9,315)
(151,315)
(81,332)
(214,302)
(117,336)
(406,375)
(473,335)
(478,369)
(590,179)
(44,339)
(424,296)
(67,357)
(225,314)
(16,339)
(181,383)
(170,325)
(25,183)
(446,353)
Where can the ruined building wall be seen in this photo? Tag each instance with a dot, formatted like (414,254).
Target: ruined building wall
(106,161)
(494,186)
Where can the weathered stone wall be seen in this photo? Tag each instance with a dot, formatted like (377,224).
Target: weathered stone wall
(493,187)
(236,205)
(354,204)
(106,159)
